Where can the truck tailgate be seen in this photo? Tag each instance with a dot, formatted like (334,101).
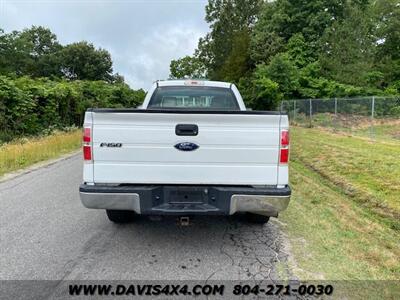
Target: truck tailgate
(233,148)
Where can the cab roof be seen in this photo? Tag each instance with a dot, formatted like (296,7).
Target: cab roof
(194,82)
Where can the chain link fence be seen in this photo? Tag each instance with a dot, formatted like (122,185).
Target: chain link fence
(373,117)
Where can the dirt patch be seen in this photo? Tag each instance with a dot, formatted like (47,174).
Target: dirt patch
(286,247)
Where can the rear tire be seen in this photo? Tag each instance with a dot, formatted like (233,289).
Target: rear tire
(120,216)
(258,219)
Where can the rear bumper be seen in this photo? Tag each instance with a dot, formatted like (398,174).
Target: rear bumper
(186,200)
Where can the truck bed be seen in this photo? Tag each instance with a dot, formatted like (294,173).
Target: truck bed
(132,146)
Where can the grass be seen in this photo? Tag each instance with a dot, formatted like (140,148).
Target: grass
(384,132)
(343,219)
(27,151)
(366,171)
(382,129)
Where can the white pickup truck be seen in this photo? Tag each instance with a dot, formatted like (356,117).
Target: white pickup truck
(191,149)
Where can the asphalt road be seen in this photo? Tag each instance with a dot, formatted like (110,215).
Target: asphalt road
(46,233)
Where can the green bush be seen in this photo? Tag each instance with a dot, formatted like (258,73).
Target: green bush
(30,106)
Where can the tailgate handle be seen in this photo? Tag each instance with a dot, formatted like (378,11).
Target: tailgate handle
(186,129)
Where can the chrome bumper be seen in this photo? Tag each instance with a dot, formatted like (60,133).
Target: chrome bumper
(260,204)
(217,200)
(115,201)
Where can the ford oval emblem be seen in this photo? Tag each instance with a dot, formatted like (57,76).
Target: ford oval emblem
(186,146)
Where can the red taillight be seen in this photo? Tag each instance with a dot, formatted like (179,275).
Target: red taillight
(284,155)
(87,148)
(87,153)
(86,135)
(285,138)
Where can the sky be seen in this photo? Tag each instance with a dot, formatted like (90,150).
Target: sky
(142,36)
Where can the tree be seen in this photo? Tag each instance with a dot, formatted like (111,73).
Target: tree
(298,51)
(14,54)
(28,52)
(42,46)
(388,36)
(283,71)
(259,92)
(238,62)
(37,53)
(267,39)
(280,20)
(186,67)
(5,53)
(349,48)
(226,18)
(83,61)
(40,41)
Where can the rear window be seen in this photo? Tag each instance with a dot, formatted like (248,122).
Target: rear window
(194,97)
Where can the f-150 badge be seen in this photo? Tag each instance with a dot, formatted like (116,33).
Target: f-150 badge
(186,146)
(111,145)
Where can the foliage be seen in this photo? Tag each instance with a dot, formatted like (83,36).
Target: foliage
(280,20)
(260,92)
(36,52)
(186,67)
(348,51)
(302,49)
(226,18)
(29,106)
(388,48)
(83,61)
(45,85)
(283,71)
(27,151)
(238,62)
(28,52)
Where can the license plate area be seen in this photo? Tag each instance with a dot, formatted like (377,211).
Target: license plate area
(190,195)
